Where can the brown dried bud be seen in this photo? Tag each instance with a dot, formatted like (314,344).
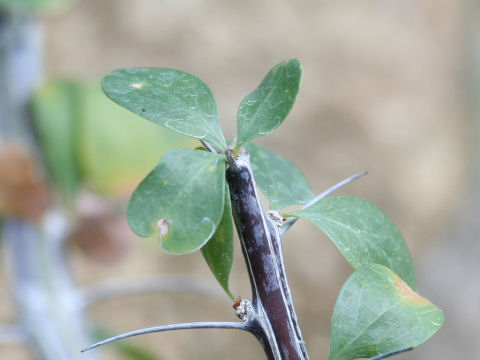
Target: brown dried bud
(23,191)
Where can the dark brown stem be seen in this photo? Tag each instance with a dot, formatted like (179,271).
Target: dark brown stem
(262,250)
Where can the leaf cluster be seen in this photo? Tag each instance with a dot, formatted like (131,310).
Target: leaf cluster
(185,201)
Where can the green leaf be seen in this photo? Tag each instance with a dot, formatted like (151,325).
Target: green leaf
(377,313)
(171,98)
(182,200)
(55,115)
(33,5)
(362,233)
(218,251)
(266,107)
(280,180)
(135,352)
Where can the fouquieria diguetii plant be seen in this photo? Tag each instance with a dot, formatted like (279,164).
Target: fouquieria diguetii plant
(194,198)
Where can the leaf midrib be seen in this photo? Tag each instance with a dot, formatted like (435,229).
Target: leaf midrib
(189,184)
(345,347)
(179,101)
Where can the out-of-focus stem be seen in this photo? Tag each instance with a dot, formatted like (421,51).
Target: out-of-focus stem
(48,303)
(12,334)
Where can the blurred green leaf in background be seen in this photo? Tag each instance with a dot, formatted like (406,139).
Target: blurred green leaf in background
(125,350)
(33,5)
(87,138)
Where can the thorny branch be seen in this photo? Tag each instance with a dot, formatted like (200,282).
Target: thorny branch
(270,316)
(261,247)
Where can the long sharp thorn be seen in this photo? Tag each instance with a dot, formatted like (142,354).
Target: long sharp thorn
(334,188)
(183,326)
(288,224)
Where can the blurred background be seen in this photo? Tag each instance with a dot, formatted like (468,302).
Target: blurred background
(389,86)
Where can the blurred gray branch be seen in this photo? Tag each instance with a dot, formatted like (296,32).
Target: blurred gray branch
(48,303)
(47,300)
(12,334)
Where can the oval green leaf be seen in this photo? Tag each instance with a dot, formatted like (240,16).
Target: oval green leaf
(279,179)
(266,107)
(182,199)
(362,232)
(172,98)
(218,251)
(377,313)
